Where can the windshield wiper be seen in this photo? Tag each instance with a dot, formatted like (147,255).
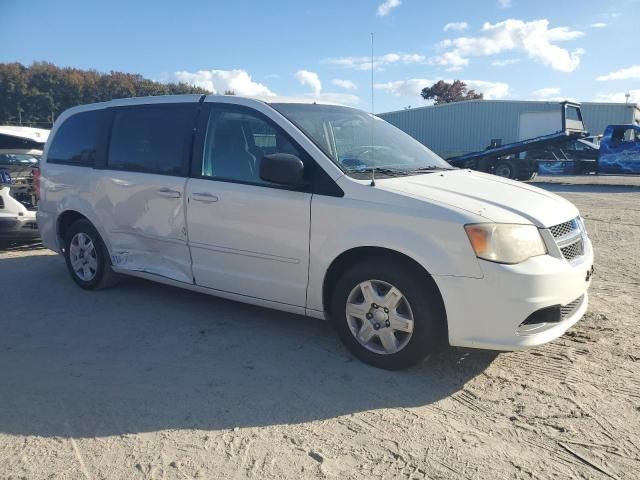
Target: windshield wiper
(392,172)
(431,168)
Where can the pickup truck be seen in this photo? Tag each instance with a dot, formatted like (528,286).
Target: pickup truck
(618,153)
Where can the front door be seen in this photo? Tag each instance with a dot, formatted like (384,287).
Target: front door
(247,236)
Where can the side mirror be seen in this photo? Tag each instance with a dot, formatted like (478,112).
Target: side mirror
(282,168)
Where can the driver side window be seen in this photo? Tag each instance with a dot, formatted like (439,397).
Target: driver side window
(236,142)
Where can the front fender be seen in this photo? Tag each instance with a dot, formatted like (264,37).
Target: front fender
(437,243)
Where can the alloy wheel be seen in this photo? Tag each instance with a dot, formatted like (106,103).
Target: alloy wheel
(379,317)
(83,257)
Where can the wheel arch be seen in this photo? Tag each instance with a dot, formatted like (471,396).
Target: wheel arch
(67,217)
(64,222)
(364,253)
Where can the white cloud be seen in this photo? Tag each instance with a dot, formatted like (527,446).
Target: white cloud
(534,38)
(622,74)
(364,63)
(405,88)
(341,98)
(505,63)
(346,84)
(457,26)
(413,86)
(619,97)
(504,3)
(491,90)
(311,79)
(552,94)
(599,25)
(385,7)
(219,81)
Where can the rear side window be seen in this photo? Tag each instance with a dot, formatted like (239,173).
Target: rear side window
(76,140)
(153,139)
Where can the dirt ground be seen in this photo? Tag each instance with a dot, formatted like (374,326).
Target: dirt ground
(147,381)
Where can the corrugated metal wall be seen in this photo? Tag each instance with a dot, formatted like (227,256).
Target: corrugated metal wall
(598,115)
(463,127)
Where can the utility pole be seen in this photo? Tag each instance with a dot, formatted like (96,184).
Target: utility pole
(627,95)
(20,117)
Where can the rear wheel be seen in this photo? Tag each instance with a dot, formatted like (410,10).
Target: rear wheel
(87,258)
(506,169)
(387,315)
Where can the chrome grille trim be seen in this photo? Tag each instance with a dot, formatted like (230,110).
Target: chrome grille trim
(569,238)
(573,250)
(564,229)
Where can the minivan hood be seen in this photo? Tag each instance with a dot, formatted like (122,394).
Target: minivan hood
(495,198)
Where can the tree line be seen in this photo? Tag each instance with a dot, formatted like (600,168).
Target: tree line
(35,95)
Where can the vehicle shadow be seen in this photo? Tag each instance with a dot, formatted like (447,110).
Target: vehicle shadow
(145,357)
(11,245)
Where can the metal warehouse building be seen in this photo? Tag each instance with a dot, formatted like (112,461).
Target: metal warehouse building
(457,128)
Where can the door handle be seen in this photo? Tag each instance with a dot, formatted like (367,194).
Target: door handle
(167,192)
(204,197)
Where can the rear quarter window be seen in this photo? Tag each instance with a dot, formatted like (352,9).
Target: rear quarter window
(75,142)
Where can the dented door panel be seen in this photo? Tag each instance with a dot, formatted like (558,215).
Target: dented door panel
(144,215)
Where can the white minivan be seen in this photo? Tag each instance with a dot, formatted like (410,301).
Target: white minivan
(317,209)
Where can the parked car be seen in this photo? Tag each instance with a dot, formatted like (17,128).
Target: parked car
(316,209)
(20,150)
(17,218)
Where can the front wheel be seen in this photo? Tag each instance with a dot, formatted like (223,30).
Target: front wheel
(387,315)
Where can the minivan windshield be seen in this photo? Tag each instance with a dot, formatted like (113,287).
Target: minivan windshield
(359,142)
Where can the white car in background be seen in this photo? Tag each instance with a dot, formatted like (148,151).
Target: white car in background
(20,151)
(320,210)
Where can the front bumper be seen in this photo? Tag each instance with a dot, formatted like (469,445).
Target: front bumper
(18,226)
(487,312)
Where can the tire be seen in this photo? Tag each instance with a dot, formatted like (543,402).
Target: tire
(527,176)
(424,307)
(506,169)
(84,246)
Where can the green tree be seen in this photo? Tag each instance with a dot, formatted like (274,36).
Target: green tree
(443,92)
(35,93)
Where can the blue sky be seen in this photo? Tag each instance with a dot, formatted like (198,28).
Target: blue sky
(518,49)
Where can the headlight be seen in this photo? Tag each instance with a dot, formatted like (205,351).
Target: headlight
(505,243)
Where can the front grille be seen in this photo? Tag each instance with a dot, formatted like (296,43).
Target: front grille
(564,229)
(568,237)
(569,309)
(574,250)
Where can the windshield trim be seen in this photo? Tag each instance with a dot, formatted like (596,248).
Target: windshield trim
(308,135)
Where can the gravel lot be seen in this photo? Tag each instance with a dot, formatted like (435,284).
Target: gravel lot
(148,381)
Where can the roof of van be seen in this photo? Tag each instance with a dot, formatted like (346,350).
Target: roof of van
(158,99)
(196,98)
